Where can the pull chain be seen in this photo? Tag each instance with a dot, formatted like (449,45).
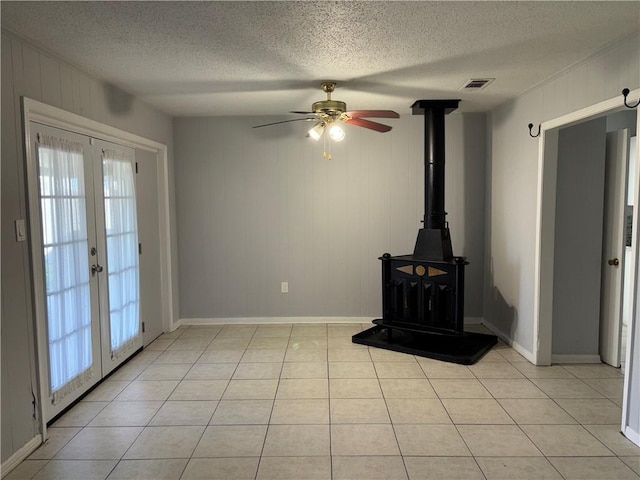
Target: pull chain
(324,147)
(324,154)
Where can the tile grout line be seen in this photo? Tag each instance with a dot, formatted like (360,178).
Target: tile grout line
(273,404)
(392,425)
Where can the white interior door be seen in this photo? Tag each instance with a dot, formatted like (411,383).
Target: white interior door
(613,246)
(69,292)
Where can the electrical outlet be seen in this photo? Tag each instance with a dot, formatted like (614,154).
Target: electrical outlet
(284,287)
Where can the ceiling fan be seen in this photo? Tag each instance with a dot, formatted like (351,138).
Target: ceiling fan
(329,114)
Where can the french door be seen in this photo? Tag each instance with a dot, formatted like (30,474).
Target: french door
(117,224)
(89,260)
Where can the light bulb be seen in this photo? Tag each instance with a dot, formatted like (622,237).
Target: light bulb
(316,132)
(336,133)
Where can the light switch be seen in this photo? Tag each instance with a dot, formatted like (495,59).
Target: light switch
(284,287)
(21,230)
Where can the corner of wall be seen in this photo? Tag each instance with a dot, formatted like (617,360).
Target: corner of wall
(531,357)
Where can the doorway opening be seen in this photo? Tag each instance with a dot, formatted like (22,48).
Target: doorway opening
(545,257)
(591,204)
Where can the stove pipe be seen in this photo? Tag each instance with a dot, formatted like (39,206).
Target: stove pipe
(434,242)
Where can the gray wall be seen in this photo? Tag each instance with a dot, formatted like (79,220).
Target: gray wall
(260,206)
(621,120)
(26,71)
(511,198)
(578,238)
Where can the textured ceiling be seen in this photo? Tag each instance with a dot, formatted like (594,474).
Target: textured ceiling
(258,58)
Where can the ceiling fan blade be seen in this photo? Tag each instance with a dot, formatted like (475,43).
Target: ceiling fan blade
(303,113)
(361,122)
(284,121)
(373,113)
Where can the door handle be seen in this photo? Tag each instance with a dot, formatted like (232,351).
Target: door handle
(614,262)
(97,268)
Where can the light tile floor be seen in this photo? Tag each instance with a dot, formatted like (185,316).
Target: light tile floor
(304,402)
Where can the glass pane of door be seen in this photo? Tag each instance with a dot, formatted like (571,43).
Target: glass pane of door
(67,230)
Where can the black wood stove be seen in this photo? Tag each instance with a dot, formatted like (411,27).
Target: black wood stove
(423,293)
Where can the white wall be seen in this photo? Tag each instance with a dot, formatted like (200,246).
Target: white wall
(26,71)
(511,200)
(260,206)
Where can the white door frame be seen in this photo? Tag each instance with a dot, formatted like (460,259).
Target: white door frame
(631,370)
(545,231)
(34,111)
(545,219)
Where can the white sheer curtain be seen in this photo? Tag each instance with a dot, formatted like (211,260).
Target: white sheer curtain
(122,250)
(66,263)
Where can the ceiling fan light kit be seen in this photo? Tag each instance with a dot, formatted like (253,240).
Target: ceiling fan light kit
(317,131)
(336,133)
(331,112)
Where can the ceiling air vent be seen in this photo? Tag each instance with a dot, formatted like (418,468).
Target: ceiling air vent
(476,84)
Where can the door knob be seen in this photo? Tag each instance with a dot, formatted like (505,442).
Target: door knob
(614,262)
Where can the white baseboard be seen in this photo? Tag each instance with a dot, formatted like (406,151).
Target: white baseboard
(569,358)
(531,356)
(288,320)
(509,341)
(14,460)
(632,435)
(271,320)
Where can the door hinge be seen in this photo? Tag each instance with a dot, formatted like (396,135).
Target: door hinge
(136,167)
(139,249)
(142,327)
